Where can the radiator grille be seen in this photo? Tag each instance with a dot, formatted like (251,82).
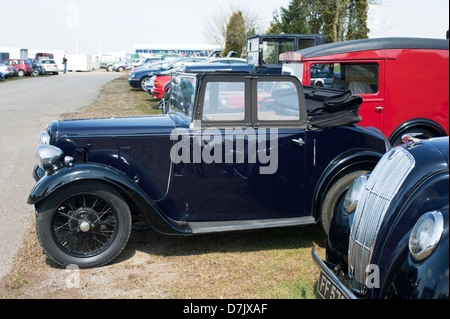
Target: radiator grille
(382,185)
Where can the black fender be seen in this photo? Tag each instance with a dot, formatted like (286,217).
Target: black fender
(430,125)
(132,193)
(410,279)
(354,159)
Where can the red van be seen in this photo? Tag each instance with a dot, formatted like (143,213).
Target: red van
(43,55)
(404,82)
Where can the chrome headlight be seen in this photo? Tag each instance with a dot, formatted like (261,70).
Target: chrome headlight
(44,138)
(352,196)
(426,234)
(49,157)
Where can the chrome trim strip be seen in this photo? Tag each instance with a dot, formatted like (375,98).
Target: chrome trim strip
(323,267)
(232,225)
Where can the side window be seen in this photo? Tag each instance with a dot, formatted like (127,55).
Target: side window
(305,43)
(183,94)
(224,101)
(360,78)
(277,101)
(272,50)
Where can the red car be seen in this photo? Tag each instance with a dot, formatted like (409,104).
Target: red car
(158,85)
(404,82)
(23,67)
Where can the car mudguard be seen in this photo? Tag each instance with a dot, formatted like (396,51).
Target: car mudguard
(357,158)
(64,176)
(419,123)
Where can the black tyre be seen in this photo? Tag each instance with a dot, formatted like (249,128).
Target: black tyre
(87,224)
(335,195)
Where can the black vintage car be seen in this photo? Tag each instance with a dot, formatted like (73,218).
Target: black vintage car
(389,239)
(235,152)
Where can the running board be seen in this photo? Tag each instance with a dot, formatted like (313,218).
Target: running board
(223,226)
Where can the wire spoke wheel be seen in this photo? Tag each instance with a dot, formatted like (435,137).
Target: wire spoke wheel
(84,224)
(87,224)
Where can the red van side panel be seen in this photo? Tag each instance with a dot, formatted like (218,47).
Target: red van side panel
(417,86)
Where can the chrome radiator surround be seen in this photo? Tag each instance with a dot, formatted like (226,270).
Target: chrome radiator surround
(381,187)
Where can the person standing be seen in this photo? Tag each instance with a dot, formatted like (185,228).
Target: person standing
(65,64)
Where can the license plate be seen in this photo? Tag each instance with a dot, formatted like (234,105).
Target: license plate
(327,289)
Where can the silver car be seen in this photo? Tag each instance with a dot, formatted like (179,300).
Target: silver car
(49,65)
(6,70)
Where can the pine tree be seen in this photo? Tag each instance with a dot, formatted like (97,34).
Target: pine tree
(235,34)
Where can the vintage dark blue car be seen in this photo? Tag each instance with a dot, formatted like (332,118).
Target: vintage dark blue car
(389,239)
(234,152)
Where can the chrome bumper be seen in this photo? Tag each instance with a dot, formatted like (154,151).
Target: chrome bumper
(331,276)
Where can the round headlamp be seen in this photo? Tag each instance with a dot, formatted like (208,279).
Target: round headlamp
(352,196)
(49,157)
(426,234)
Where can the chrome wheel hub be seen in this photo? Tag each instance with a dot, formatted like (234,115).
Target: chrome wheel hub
(85,226)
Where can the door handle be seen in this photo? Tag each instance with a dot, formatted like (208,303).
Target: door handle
(299,141)
(379,109)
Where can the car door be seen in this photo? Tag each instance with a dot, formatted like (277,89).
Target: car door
(249,135)
(365,78)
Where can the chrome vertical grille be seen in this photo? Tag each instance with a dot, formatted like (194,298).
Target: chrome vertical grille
(382,185)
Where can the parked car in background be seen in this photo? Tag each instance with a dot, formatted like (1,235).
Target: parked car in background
(37,69)
(121,66)
(43,55)
(6,70)
(137,62)
(398,99)
(390,237)
(151,65)
(146,61)
(23,66)
(227,60)
(107,61)
(159,84)
(157,87)
(49,66)
(171,57)
(139,78)
(96,178)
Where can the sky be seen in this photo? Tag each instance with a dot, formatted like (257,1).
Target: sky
(93,26)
